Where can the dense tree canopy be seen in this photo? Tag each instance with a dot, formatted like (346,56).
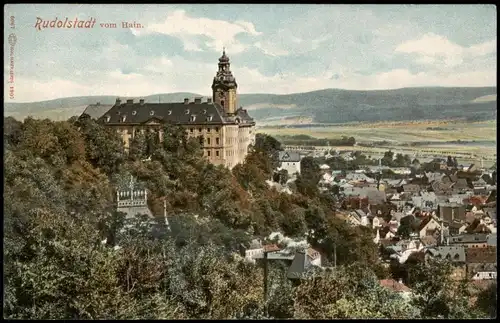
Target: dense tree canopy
(69,255)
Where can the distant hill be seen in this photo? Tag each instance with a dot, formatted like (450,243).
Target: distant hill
(323,106)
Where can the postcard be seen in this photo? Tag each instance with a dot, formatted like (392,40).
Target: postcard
(250,161)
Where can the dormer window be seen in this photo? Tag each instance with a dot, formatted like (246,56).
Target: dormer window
(169,112)
(209,118)
(204,111)
(108,118)
(187,111)
(193,118)
(134,113)
(152,113)
(124,118)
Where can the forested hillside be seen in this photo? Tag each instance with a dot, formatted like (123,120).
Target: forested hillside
(69,255)
(324,106)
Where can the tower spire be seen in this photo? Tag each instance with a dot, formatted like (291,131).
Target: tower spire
(224,50)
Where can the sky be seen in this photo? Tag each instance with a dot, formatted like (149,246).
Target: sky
(277,49)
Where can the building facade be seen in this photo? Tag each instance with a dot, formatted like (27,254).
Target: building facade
(224,130)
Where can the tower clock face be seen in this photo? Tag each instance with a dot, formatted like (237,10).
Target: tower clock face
(221,94)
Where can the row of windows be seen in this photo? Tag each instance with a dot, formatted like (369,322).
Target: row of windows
(201,129)
(209,153)
(217,141)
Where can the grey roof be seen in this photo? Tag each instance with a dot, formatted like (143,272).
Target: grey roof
(95,111)
(299,265)
(289,156)
(492,239)
(454,253)
(469,238)
(178,113)
(376,196)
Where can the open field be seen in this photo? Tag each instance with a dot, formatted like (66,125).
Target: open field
(484,133)
(398,132)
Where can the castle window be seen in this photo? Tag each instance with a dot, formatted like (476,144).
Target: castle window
(169,112)
(193,118)
(216,129)
(216,141)
(217,153)
(191,130)
(208,129)
(222,103)
(208,153)
(208,141)
(124,118)
(134,113)
(200,130)
(152,113)
(108,118)
(204,111)
(187,111)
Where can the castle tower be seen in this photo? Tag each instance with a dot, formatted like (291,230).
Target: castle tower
(224,86)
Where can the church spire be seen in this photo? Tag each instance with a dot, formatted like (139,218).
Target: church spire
(224,85)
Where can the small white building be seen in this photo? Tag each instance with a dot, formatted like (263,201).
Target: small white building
(290,161)
(485,275)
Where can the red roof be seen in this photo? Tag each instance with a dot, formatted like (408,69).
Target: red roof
(394,285)
(271,248)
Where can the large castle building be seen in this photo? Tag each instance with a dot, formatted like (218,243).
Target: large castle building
(224,130)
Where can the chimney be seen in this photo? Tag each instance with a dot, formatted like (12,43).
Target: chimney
(130,101)
(186,101)
(197,100)
(141,101)
(118,101)
(209,100)
(98,103)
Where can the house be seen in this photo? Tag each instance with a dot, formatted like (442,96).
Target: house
(411,188)
(434,176)
(449,212)
(484,275)
(358,217)
(289,161)
(324,168)
(253,250)
(481,260)
(455,254)
(358,177)
(428,227)
(401,170)
(441,188)
(478,226)
(302,262)
(428,241)
(460,185)
(396,286)
(470,240)
(455,227)
(425,202)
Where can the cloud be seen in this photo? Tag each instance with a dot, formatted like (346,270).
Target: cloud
(436,49)
(219,33)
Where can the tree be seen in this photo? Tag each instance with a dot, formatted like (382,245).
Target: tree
(387,160)
(346,293)
(436,294)
(487,300)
